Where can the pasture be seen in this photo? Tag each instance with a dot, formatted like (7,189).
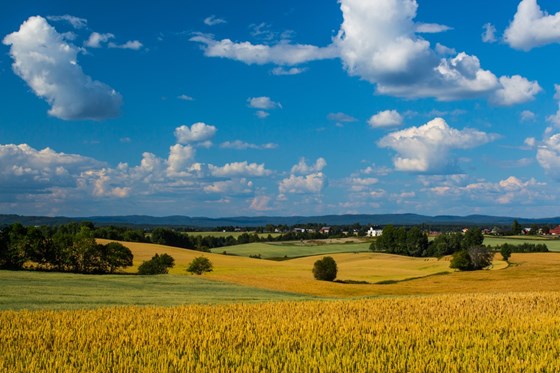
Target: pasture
(552,244)
(294,249)
(44,290)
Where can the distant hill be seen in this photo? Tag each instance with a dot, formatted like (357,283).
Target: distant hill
(244,221)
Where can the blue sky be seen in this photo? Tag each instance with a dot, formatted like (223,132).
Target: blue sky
(221,108)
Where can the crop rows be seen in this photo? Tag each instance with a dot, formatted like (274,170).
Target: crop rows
(492,332)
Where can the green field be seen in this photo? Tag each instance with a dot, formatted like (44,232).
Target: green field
(552,244)
(293,249)
(45,290)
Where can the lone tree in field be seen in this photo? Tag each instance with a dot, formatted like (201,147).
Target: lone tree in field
(472,259)
(158,265)
(325,269)
(200,265)
(506,252)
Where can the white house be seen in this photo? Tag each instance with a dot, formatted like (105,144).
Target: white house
(374,232)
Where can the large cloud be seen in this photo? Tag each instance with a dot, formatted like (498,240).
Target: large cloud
(378,43)
(24,166)
(427,148)
(531,27)
(48,64)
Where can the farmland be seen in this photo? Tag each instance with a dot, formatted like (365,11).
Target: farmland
(481,332)
(389,313)
(552,244)
(296,249)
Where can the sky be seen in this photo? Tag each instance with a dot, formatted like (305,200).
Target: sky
(280,108)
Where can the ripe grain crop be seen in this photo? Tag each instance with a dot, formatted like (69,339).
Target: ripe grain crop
(478,332)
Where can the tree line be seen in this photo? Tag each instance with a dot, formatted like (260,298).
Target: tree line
(67,248)
(467,248)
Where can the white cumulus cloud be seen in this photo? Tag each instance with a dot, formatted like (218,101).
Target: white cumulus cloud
(548,155)
(235,186)
(303,168)
(236,169)
(96,40)
(427,148)
(515,90)
(40,169)
(380,42)
(555,118)
(532,27)
(180,157)
(312,183)
(263,102)
(387,118)
(304,178)
(49,65)
(197,133)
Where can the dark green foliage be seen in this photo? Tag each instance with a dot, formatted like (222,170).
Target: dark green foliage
(506,252)
(121,234)
(325,269)
(523,248)
(12,247)
(412,242)
(115,255)
(169,237)
(471,259)
(158,265)
(515,227)
(461,260)
(480,256)
(446,244)
(200,265)
(472,237)
(70,248)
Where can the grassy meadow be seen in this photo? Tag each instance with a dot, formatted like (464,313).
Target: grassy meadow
(277,250)
(552,244)
(43,290)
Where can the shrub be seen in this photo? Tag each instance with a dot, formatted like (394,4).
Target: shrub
(199,265)
(325,269)
(158,265)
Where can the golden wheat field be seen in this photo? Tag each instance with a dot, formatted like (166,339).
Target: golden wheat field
(455,333)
